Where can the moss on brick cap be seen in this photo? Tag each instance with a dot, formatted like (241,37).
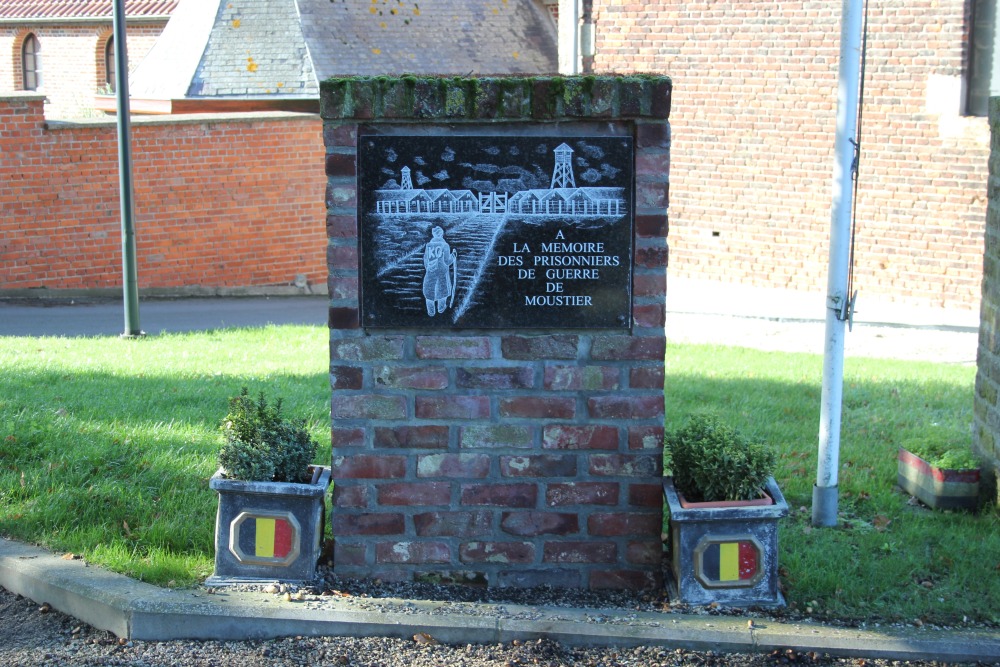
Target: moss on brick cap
(528,98)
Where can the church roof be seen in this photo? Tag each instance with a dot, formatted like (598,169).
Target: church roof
(283,48)
(226,48)
(431,37)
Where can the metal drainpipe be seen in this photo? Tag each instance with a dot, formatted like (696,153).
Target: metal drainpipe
(569,36)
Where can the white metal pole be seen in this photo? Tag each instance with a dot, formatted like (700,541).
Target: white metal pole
(824,511)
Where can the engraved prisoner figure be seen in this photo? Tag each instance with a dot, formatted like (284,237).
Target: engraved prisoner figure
(440,273)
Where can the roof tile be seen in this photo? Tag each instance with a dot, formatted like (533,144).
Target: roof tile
(81,9)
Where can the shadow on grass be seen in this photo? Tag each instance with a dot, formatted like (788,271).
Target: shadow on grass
(116,467)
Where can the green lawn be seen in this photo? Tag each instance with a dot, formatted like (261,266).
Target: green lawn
(106,447)
(889,558)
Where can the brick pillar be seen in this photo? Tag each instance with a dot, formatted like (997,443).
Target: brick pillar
(511,457)
(986,422)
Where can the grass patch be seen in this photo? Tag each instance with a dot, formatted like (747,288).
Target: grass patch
(889,558)
(106,447)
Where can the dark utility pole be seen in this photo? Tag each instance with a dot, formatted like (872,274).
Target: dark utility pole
(129,273)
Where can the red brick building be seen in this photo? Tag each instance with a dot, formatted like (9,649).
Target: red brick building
(63,48)
(753,122)
(753,125)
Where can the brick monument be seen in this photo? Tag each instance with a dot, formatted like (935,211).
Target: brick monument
(497,275)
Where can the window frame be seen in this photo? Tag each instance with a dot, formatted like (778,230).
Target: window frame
(109,63)
(31,76)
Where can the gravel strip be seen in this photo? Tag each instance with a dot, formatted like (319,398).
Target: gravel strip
(37,635)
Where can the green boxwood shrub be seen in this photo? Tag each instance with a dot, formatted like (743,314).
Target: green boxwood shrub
(712,461)
(261,445)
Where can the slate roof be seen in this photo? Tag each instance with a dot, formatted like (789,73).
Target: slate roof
(83,9)
(429,37)
(256,47)
(283,48)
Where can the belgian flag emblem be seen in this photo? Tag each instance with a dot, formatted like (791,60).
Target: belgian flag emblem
(728,562)
(265,539)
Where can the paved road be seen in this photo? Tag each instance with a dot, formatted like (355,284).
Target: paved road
(107,318)
(699,312)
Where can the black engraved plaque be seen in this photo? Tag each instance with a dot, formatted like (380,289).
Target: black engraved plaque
(466,232)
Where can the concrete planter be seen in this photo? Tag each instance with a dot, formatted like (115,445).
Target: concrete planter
(726,554)
(938,488)
(268,531)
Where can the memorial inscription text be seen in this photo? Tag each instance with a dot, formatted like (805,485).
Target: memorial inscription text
(496,232)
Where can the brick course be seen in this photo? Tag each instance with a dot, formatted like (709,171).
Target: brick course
(754,121)
(515,459)
(212,210)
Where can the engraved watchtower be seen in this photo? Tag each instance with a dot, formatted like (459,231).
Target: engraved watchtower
(562,174)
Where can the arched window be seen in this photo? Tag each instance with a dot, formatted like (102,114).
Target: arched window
(31,63)
(109,63)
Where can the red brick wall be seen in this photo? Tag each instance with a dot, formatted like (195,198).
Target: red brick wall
(753,121)
(220,201)
(986,408)
(72,58)
(506,457)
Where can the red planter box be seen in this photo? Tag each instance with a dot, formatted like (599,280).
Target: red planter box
(940,488)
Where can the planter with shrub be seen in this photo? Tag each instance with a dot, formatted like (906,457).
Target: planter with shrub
(271,499)
(937,472)
(724,508)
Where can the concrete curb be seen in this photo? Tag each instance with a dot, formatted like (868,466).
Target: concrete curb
(139,611)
